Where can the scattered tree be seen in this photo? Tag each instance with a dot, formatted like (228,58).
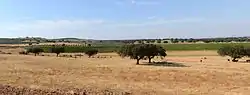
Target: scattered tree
(35,50)
(57,50)
(141,51)
(150,51)
(91,52)
(133,51)
(235,52)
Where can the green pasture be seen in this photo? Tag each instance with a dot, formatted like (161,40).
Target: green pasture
(104,48)
(200,46)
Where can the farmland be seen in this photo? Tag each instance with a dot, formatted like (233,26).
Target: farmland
(201,46)
(180,73)
(106,48)
(183,75)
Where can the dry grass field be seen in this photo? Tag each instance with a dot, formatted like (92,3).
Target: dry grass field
(186,76)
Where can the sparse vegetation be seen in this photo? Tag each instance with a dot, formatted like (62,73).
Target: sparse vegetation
(35,50)
(150,51)
(57,50)
(141,51)
(235,52)
(91,52)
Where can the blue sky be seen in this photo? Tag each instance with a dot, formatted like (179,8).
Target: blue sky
(124,19)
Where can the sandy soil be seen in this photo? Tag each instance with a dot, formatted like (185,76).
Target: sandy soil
(213,76)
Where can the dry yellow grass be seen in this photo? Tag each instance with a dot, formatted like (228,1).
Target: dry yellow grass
(214,76)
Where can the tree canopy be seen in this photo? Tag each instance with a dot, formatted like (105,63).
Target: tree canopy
(235,52)
(57,50)
(35,50)
(141,51)
(91,52)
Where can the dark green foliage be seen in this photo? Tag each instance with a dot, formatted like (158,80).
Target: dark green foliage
(158,41)
(224,51)
(151,50)
(134,51)
(57,50)
(165,41)
(141,51)
(105,48)
(91,52)
(35,50)
(175,41)
(202,46)
(235,52)
(247,51)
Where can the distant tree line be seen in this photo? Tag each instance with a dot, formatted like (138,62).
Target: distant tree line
(190,40)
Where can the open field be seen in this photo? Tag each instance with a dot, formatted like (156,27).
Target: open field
(214,76)
(73,48)
(169,47)
(199,46)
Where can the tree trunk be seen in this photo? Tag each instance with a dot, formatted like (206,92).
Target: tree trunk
(149,60)
(137,62)
(35,54)
(57,54)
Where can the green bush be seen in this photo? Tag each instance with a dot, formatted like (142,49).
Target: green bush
(235,52)
(91,52)
(57,50)
(35,50)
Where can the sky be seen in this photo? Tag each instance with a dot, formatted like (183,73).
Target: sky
(124,19)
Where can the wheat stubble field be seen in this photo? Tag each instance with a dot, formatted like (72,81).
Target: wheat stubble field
(214,76)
